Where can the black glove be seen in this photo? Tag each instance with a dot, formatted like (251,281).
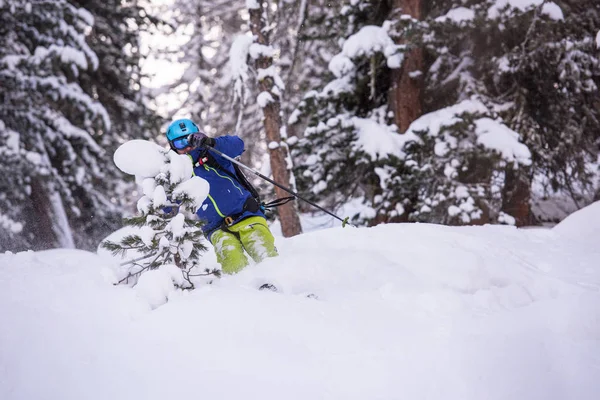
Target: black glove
(199,140)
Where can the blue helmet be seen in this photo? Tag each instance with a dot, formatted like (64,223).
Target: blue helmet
(181,127)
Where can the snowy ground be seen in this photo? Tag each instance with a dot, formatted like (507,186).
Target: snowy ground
(406,311)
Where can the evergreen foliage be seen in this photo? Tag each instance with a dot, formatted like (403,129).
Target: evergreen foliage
(510,99)
(333,164)
(536,70)
(169,232)
(526,73)
(116,84)
(49,123)
(71,94)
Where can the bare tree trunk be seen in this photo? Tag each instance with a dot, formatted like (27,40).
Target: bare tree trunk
(516,196)
(49,219)
(290,222)
(406,91)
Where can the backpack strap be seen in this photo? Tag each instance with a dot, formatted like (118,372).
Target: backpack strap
(239,176)
(278,202)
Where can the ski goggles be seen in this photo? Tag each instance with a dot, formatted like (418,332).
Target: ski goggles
(180,143)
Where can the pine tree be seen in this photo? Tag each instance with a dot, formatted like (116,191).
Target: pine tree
(457,174)
(271,87)
(534,68)
(556,71)
(339,159)
(11,222)
(71,69)
(116,84)
(48,123)
(493,72)
(169,232)
(191,19)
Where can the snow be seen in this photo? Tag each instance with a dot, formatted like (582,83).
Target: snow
(341,65)
(195,187)
(448,116)
(415,311)
(264,99)
(461,192)
(86,16)
(367,41)
(154,287)
(145,159)
(252,4)
(140,158)
(491,134)
(143,204)
(270,72)
(506,219)
(257,51)
(67,55)
(553,11)
(549,8)
(582,224)
(338,86)
(71,92)
(457,15)
(378,140)
(497,136)
(60,222)
(159,197)
(238,66)
(453,211)
(178,166)
(7,224)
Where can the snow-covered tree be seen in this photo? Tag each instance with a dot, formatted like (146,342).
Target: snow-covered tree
(270,87)
(48,125)
(216,87)
(455,167)
(508,94)
(72,78)
(116,84)
(557,71)
(350,133)
(534,66)
(168,231)
(200,55)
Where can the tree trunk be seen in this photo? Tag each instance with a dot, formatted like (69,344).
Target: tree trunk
(49,220)
(406,91)
(281,169)
(516,195)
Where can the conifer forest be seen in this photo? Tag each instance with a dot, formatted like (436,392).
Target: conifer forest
(454,112)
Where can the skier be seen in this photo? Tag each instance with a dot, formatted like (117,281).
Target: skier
(234,220)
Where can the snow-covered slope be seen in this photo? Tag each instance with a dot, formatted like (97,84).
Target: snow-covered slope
(406,311)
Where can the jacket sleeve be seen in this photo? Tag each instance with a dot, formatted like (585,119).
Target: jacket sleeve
(233,146)
(195,155)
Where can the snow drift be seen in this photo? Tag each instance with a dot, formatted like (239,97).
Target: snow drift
(410,311)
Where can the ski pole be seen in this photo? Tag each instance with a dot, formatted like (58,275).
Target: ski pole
(290,191)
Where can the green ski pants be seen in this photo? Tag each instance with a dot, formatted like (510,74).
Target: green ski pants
(251,234)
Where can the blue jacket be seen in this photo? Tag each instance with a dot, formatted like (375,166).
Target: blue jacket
(226,196)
